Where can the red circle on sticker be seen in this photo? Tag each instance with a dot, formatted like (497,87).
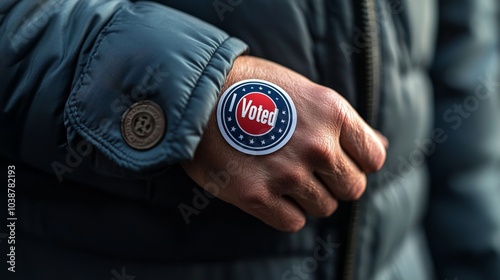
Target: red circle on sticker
(256,113)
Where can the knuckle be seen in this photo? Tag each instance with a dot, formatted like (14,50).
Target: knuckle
(293,224)
(255,198)
(290,178)
(308,193)
(334,106)
(322,151)
(348,182)
(341,113)
(377,158)
(356,187)
(326,209)
(295,177)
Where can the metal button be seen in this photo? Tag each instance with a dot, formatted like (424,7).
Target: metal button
(143,125)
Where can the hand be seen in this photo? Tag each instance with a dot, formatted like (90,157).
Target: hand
(326,159)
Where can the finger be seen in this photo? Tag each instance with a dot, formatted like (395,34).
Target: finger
(362,144)
(274,210)
(344,179)
(382,138)
(313,197)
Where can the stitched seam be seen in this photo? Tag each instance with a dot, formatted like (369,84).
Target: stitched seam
(95,136)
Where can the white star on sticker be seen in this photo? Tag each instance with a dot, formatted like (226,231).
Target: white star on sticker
(244,89)
(233,128)
(260,88)
(272,137)
(263,142)
(251,87)
(280,130)
(283,112)
(251,141)
(241,137)
(283,121)
(277,98)
(268,92)
(229,119)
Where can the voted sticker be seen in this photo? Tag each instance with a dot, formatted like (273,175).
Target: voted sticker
(256,117)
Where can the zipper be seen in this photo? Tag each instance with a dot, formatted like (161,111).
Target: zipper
(372,84)
(372,56)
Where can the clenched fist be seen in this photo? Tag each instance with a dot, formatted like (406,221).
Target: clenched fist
(326,159)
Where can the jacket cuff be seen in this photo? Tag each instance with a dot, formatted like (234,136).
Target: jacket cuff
(150,55)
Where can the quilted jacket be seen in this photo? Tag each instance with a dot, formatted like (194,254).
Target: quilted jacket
(89,206)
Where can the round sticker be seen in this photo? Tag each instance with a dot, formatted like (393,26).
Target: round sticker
(256,117)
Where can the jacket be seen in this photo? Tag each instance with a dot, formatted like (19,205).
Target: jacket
(89,206)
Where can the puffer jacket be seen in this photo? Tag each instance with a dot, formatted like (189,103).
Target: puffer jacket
(89,206)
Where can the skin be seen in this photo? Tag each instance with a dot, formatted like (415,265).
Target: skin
(326,159)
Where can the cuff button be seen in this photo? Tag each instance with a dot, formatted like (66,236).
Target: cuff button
(143,125)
